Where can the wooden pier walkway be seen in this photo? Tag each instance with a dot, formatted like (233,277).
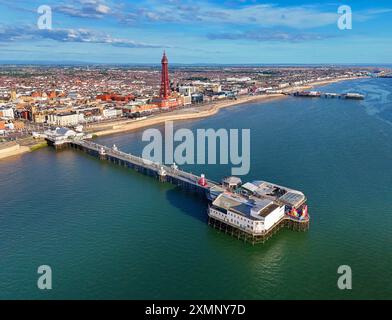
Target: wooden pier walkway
(164,173)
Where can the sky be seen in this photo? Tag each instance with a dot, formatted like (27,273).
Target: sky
(196,32)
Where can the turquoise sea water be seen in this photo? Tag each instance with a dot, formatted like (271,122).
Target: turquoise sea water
(108,232)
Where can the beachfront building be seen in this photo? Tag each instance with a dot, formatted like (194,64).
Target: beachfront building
(66,119)
(144,108)
(187,90)
(59,136)
(197,98)
(112,113)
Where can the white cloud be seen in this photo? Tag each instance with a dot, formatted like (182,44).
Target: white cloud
(85,8)
(25,33)
(262,15)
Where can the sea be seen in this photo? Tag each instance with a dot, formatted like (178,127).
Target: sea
(108,232)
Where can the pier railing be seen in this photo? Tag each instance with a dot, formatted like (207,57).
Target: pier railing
(143,162)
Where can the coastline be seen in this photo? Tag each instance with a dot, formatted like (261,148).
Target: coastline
(175,115)
(184,115)
(204,111)
(11,149)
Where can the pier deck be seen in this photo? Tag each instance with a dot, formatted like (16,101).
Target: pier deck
(165,173)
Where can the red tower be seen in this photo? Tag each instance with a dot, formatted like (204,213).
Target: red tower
(165,83)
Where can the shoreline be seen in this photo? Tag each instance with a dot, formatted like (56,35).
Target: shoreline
(205,111)
(13,150)
(193,113)
(16,149)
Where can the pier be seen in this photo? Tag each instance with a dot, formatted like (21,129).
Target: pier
(208,189)
(163,173)
(285,222)
(329,95)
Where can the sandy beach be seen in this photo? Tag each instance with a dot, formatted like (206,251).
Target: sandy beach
(10,149)
(197,112)
(183,114)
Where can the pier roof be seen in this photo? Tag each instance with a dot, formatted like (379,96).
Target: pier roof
(263,189)
(293,198)
(255,209)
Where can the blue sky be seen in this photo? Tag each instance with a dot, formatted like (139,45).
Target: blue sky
(232,31)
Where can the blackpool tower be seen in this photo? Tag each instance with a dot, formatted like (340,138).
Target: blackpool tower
(165,83)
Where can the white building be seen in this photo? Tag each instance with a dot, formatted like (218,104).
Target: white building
(243,79)
(66,119)
(255,216)
(216,88)
(187,100)
(112,113)
(243,91)
(61,135)
(187,90)
(7,112)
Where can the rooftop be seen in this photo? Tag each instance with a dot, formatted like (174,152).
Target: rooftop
(255,209)
(263,189)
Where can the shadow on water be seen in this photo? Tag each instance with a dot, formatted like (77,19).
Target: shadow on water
(189,203)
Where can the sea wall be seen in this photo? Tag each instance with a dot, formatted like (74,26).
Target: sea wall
(9,149)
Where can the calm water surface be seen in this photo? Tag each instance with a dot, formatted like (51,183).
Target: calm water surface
(108,232)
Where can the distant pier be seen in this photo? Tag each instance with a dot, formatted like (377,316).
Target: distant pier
(329,95)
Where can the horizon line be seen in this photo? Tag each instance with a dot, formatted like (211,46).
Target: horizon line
(51,62)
